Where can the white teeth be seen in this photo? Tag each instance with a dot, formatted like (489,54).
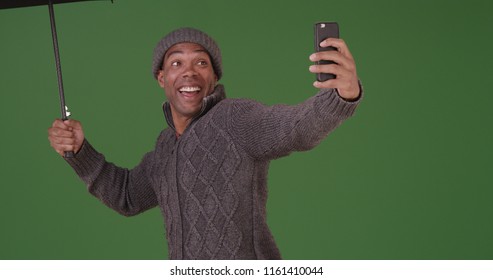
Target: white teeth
(189,89)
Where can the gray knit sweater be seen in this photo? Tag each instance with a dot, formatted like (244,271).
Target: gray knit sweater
(211,182)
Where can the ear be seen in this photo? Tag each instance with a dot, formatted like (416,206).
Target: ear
(160,78)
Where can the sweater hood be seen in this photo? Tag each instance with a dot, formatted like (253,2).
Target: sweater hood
(207,103)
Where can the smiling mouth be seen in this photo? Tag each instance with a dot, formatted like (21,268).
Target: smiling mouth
(189,91)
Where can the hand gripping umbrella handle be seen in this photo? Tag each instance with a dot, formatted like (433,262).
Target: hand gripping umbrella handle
(68,154)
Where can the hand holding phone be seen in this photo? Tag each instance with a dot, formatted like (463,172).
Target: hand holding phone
(335,66)
(324,30)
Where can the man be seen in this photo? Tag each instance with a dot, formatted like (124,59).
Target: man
(208,171)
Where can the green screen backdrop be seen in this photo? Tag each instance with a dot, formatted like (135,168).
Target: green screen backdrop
(408,177)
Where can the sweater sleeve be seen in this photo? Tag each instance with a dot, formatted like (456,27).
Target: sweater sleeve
(269,132)
(129,192)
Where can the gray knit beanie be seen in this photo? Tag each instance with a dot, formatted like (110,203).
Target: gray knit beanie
(187,35)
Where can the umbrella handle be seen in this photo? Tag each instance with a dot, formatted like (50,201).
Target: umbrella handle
(68,154)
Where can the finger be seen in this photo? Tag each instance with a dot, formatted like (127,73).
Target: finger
(59,132)
(343,78)
(60,152)
(59,124)
(339,44)
(61,149)
(340,72)
(62,141)
(73,124)
(333,83)
(333,56)
(347,88)
(325,68)
(326,84)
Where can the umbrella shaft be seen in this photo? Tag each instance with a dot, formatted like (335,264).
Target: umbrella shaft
(57,60)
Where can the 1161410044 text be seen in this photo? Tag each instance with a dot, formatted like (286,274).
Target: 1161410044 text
(293,271)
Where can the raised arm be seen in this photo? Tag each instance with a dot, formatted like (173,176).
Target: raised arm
(274,131)
(269,132)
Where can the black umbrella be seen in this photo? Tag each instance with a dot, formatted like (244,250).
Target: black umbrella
(6,4)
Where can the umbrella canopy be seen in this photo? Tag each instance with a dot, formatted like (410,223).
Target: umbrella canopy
(6,4)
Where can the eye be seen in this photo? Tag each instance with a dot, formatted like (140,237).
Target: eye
(202,63)
(175,63)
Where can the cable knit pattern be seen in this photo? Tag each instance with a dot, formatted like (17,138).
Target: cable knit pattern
(211,201)
(211,183)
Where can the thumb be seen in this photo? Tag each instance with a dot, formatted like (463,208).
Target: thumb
(72,124)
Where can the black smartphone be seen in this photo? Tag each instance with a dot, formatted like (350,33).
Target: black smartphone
(324,30)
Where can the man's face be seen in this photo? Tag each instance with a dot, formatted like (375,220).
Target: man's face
(187,77)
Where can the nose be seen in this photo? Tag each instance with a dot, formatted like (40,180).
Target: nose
(189,71)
